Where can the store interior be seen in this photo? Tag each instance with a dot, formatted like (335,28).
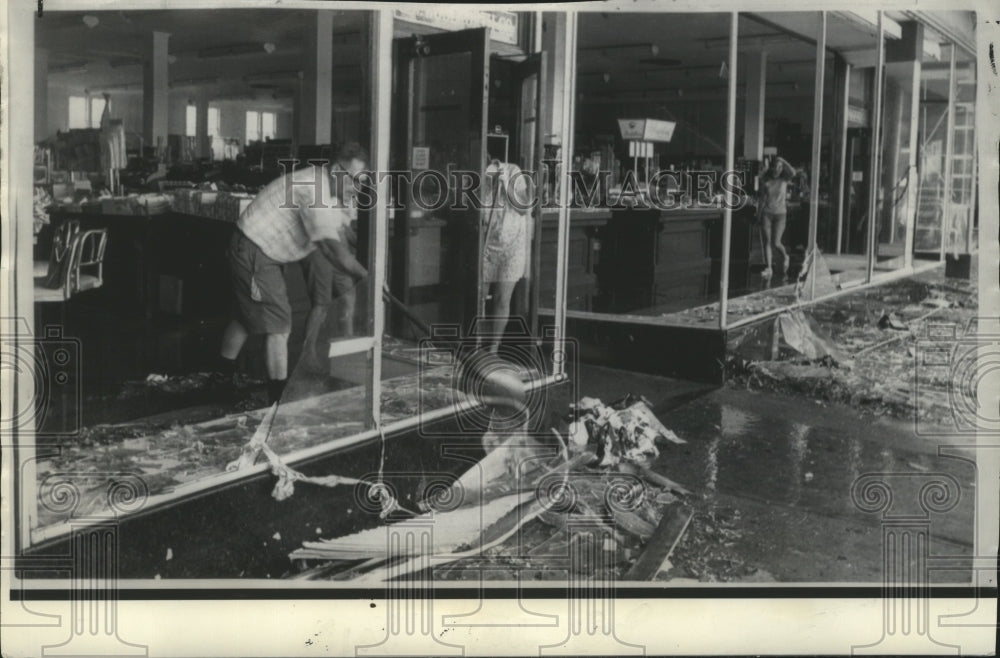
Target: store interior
(205,106)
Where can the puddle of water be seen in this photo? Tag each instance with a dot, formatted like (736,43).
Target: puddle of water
(791,452)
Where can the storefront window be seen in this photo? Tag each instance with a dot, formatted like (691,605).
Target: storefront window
(935,83)
(899,179)
(776,122)
(960,224)
(646,220)
(135,292)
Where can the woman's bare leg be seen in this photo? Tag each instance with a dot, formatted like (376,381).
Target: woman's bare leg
(776,234)
(765,226)
(500,311)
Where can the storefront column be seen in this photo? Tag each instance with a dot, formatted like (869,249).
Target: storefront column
(753,124)
(41,94)
(156,92)
(314,111)
(560,40)
(842,76)
(380,102)
(554,43)
(17,385)
(201,123)
(949,150)
(905,55)
(817,145)
(873,181)
(727,212)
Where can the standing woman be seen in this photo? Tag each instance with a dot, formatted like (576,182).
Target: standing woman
(507,219)
(773,210)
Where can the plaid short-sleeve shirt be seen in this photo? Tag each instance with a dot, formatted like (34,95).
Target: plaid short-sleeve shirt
(285,219)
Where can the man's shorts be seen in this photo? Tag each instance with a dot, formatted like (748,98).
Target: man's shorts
(262,305)
(325,280)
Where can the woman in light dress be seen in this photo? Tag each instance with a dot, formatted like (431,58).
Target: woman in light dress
(506,232)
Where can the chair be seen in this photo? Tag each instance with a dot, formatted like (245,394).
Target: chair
(84,268)
(61,238)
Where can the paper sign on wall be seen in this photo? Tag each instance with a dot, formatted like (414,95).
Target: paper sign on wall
(503,24)
(421,157)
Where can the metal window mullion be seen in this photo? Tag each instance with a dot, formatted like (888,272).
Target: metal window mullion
(817,143)
(727,212)
(381,103)
(873,184)
(565,160)
(842,174)
(949,150)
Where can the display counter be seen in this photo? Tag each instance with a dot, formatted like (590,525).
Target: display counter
(641,259)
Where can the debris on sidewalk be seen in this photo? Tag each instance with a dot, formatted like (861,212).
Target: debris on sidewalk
(859,349)
(523,509)
(625,430)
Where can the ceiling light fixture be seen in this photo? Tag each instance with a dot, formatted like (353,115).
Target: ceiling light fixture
(71,67)
(91,21)
(265,76)
(269,47)
(644,48)
(232,49)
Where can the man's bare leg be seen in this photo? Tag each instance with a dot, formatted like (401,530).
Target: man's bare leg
(276,358)
(312,357)
(233,338)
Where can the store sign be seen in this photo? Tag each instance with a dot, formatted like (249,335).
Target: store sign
(421,157)
(857,116)
(646,130)
(502,24)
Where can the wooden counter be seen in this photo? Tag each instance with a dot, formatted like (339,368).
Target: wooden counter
(584,257)
(628,260)
(171,262)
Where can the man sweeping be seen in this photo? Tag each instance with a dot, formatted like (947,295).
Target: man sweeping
(292,217)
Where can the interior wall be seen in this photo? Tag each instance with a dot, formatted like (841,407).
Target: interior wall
(128,108)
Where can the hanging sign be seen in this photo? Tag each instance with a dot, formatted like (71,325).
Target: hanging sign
(502,24)
(646,130)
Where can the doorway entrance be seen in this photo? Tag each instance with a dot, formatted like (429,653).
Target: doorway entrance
(457,107)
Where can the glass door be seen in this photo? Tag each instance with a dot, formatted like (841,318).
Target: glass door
(438,153)
(441,84)
(515,138)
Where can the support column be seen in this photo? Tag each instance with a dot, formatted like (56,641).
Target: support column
(753,117)
(949,153)
(904,57)
(41,94)
(817,143)
(553,43)
(17,385)
(314,114)
(727,212)
(873,182)
(842,77)
(155,92)
(201,122)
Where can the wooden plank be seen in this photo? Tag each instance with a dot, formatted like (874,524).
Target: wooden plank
(666,536)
